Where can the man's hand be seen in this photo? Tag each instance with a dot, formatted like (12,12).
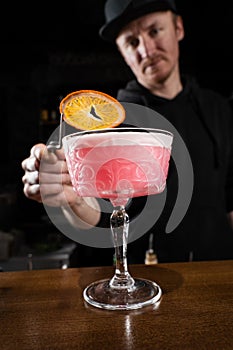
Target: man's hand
(46,177)
(47,180)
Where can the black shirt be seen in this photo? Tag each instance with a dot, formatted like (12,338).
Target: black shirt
(203,120)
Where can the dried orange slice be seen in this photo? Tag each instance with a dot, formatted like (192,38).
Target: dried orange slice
(90,109)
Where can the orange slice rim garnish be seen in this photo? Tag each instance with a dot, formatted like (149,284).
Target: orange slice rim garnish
(91,110)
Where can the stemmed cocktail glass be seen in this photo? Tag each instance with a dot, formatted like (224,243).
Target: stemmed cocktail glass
(118,164)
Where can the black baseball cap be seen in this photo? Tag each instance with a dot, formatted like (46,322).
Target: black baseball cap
(118,13)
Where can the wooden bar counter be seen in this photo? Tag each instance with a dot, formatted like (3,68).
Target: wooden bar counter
(44,309)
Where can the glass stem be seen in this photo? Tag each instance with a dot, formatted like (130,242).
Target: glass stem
(120,226)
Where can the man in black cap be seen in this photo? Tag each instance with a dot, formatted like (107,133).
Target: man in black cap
(147,33)
(120,13)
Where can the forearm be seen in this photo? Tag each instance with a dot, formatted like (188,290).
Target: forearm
(84,213)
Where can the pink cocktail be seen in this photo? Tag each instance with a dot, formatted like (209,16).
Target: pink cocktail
(119,164)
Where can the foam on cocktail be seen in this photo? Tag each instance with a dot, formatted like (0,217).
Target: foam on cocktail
(114,138)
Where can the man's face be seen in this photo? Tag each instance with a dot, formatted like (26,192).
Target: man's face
(150,47)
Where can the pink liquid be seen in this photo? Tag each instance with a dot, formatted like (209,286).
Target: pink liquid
(118,171)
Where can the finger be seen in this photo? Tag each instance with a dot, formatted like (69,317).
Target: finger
(59,167)
(50,189)
(41,152)
(65,197)
(52,157)
(60,154)
(31,178)
(50,178)
(47,156)
(30,164)
(37,150)
(32,192)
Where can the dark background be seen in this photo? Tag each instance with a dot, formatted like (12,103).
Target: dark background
(49,50)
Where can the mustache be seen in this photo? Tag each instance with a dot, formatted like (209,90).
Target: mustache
(148,61)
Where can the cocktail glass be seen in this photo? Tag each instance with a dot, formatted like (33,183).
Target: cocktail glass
(118,164)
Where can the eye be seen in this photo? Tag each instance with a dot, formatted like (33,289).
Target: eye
(133,42)
(154,31)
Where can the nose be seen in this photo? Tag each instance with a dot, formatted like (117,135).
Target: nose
(146,46)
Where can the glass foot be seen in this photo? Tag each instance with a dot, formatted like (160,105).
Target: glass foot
(143,293)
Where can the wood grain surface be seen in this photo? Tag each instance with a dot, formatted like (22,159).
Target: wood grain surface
(44,309)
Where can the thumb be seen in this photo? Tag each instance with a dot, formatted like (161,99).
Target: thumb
(40,151)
